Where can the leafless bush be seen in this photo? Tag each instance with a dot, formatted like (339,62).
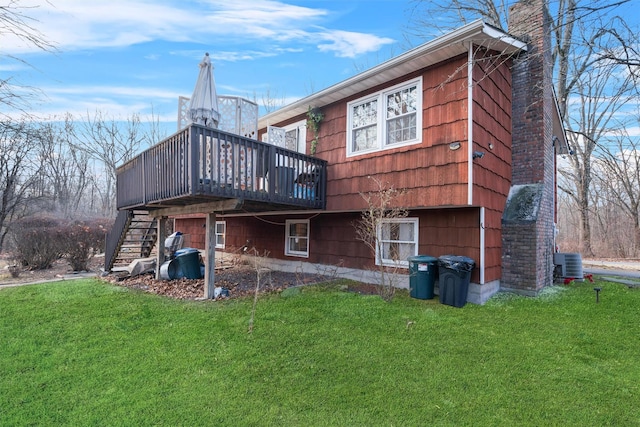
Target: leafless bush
(37,241)
(81,240)
(381,206)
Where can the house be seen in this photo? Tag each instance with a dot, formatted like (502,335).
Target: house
(466,124)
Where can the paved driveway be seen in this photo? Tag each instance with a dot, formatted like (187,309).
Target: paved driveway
(629,269)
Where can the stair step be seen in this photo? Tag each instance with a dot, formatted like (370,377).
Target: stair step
(138,239)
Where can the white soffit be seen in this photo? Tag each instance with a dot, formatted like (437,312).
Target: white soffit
(445,47)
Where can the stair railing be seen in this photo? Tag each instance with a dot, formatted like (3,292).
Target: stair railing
(114,238)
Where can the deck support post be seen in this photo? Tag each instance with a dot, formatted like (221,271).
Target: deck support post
(162,235)
(210,265)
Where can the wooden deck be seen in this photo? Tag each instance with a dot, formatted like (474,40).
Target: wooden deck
(199,165)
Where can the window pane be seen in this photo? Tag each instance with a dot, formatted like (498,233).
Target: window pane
(365,138)
(291,140)
(392,251)
(298,229)
(405,231)
(298,244)
(401,129)
(402,102)
(401,115)
(365,114)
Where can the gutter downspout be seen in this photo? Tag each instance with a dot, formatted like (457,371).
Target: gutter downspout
(481,249)
(470,124)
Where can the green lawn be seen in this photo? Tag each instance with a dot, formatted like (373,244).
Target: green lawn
(86,353)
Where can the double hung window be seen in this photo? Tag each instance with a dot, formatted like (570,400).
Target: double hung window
(386,119)
(221,231)
(397,241)
(297,238)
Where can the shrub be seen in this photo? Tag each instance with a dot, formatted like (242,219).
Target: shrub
(38,241)
(83,239)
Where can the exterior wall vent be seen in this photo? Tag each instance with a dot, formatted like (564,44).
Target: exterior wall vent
(568,265)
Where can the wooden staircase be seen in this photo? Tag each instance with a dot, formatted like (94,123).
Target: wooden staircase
(133,236)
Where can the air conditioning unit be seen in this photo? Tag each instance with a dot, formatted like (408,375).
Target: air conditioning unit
(568,265)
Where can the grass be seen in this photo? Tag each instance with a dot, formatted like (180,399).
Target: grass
(88,353)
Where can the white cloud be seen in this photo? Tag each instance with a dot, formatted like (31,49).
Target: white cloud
(73,25)
(348,44)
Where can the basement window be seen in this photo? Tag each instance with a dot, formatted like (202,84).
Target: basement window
(397,241)
(297,238)
(221,231)
(386,119)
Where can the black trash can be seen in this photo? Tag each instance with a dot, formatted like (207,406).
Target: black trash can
(454,272)
(423,271)
(189,262)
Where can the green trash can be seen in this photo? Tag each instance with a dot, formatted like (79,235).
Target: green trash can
(423,271)
(189,262)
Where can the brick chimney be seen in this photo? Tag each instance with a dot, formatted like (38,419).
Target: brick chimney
(528,220)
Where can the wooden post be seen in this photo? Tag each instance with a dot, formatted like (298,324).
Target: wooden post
(210,265)
(162,226)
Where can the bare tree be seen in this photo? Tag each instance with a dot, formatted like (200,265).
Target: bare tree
(111,142)
(619,181)
(19,170)
(66,170)
(600,94)
(270,100)
(15,21)
(589,39)
(376,226)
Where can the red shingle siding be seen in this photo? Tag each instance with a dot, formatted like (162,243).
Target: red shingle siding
(332,237)
(192,227)
(432,174)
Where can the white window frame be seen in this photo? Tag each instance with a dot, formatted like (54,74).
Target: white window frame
(381,119)
(287,243)
(301,129)
(279,135)
(404,263)
(223,234)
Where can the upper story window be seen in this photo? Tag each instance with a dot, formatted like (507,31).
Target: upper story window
(386,119)
(292,137)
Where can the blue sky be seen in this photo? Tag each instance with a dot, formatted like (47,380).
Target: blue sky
(121,57)
(132,56)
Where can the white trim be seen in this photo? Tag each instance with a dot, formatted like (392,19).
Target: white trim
(470,125)
(287,250)
(381,118)
(482,246)
(301,126)
(224,234)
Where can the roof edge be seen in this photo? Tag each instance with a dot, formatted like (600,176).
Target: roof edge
(477,31)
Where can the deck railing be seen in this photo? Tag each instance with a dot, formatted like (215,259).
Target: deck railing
(200,163)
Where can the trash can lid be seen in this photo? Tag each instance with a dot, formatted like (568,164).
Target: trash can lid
(456,262)
(186,251)
(422,258)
